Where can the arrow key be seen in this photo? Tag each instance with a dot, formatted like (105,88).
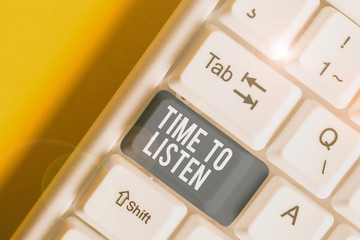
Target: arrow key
(126,204)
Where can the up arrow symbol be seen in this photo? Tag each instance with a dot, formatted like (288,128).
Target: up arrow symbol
(124,195)
(252,82)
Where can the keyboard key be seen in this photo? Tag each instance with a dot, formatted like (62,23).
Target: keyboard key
(194,158)
(348,7)
(315,148)
(344,232)
(354,112)
(73,229)
(270,26)
(281,212)
(235,88)
(347,200)
(327,57)
(198,228)
(126,204)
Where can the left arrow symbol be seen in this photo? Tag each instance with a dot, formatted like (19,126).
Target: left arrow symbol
(124,195)
(252,82)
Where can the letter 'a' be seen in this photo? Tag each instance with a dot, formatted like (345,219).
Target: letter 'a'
(292,212)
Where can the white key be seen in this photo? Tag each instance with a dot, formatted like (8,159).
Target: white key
(126,204)
(327,58)
(235,88)
(350,8)
(73,229)
(281,212)
(315,148)
(344,232)
(354,111)
(270,26)
(347,200)
(198,228)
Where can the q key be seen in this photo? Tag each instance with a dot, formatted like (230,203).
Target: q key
(328,133)
(312,153)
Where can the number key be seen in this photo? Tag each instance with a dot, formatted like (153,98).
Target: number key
(327,58)
(269,26)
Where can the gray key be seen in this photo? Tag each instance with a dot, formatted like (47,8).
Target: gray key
(194,158)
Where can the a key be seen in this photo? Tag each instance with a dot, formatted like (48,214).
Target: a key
(281,212)
(270,26)
(194,158)
(327,57)
(235,88)
(315,148)
(348,7)
(73,229)
(344,232)
(197,228)
(125,204)
(354,112)
(347,200)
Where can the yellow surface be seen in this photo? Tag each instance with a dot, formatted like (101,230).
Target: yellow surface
(60,62)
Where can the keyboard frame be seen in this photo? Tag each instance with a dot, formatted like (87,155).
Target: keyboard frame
(137,90)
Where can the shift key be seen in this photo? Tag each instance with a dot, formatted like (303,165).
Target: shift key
(194,158)
(123,203)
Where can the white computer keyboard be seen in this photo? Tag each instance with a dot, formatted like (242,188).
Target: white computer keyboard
(241,121)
